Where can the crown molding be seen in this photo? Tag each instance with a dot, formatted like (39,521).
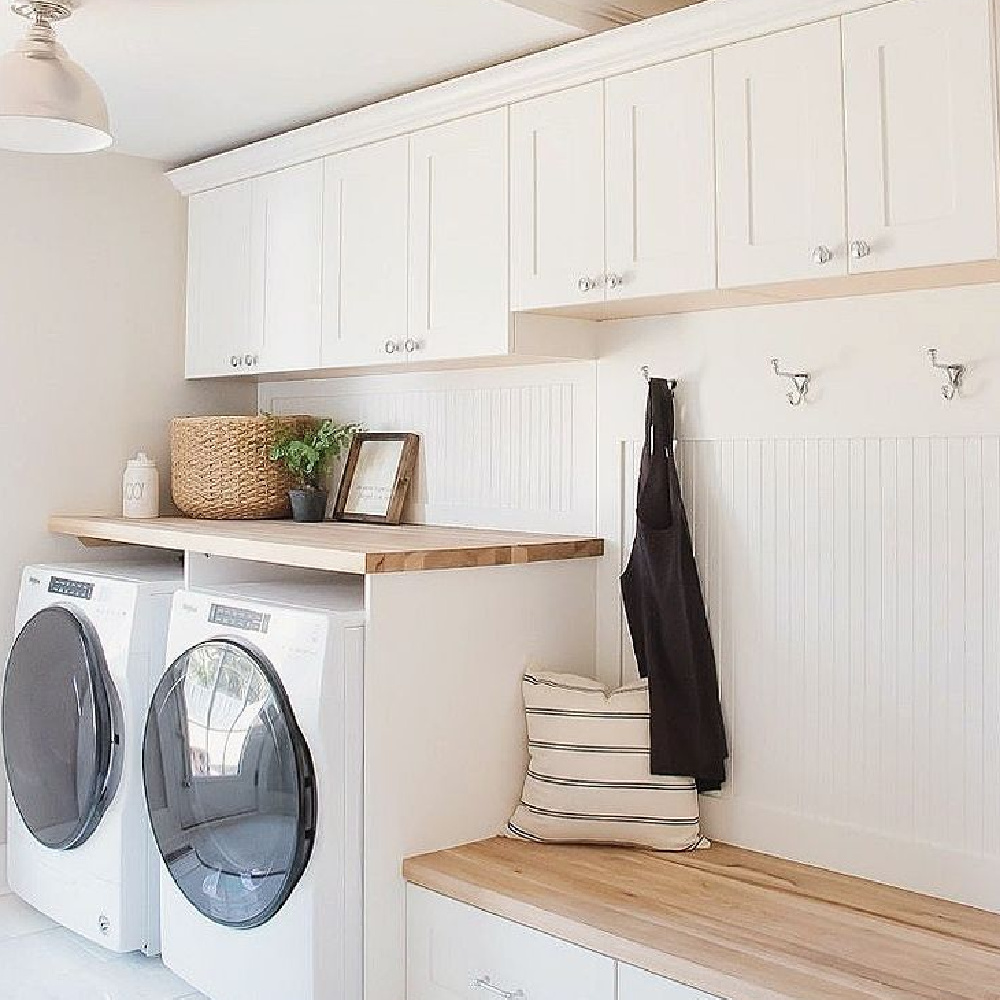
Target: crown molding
(699,28)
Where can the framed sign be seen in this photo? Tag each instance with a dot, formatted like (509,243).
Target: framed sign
(377,475)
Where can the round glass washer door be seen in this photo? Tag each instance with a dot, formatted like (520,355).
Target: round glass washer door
(230,784)
(60,736)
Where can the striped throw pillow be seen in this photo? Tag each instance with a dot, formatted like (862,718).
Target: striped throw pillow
(588,775)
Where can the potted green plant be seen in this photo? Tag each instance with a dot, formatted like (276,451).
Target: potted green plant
(308,458)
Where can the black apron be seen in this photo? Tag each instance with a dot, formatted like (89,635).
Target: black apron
(666,615)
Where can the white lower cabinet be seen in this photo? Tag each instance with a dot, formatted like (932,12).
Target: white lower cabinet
(636,984)
(454,950)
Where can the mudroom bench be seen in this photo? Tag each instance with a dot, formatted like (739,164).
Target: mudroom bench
(519,921)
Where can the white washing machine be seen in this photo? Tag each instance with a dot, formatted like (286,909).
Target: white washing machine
(89,648)
(253,764)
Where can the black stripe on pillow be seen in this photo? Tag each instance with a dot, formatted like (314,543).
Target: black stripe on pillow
(583,748)
(682,786)
(603,818)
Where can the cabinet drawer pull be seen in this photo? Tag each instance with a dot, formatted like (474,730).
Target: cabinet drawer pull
(487,986)
(235,361)
(614,281)
(586,284)
(391,347)
(411,345)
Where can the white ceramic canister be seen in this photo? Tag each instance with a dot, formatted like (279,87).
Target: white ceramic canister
(141,488)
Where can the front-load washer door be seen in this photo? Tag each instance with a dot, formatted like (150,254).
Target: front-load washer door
(229,783)
(60,736)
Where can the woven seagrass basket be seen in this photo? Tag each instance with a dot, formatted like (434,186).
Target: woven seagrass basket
(219,466)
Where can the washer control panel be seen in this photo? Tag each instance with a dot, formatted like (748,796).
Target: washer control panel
(81,589)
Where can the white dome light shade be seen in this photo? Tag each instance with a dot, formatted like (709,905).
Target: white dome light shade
(49,104)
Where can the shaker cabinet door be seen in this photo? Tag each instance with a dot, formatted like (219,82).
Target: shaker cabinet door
(218,291)
(557,198)
(365,255)
(660,202)
(286,268)
(780,133)
(921,134)
(459,302)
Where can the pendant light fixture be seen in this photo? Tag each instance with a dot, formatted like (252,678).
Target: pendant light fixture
(48,104)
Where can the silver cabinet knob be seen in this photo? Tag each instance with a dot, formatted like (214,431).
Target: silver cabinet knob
(614,281)
(586,284)
(822,255)
(391,347)
(236,361)
(860,249)
(250,360)
(410,345)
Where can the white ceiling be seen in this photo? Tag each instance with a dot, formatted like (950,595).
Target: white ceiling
(186,78)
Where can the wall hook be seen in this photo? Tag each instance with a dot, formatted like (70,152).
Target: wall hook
(955,373)
(800,383)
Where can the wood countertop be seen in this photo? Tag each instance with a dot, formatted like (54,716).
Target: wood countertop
(734,923)
(335,547)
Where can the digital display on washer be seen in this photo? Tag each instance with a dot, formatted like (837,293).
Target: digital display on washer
(241,618)
(71,588)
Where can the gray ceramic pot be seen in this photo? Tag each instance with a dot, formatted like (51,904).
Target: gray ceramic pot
(308,505)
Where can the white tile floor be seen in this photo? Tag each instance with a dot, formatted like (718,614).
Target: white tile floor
(40,961)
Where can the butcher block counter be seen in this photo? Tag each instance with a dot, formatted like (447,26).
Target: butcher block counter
(731,922)
(334,547)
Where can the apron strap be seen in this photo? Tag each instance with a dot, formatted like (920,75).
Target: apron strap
(659,419)
(658,488)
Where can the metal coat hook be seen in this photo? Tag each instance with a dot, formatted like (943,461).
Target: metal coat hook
(671,382)
(955,373)
(800,383)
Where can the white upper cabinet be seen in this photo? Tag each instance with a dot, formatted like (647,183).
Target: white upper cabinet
(218,293)
(660,203)
(286,267)
(459,301)
(921,134)
(365,244)
(557,198)
(780,147)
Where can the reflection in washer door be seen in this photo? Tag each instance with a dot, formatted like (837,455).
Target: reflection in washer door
(60,732)
(229,783)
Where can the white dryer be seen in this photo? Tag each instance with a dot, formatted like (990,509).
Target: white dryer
(90,645)
(253,770)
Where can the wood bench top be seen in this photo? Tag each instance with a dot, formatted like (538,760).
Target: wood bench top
(731,922)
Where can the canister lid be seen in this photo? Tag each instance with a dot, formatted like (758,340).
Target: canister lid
(141,461)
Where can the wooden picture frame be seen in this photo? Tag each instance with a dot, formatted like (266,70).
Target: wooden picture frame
(376,478)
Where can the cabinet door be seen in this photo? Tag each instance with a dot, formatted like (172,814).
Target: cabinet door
(780,147)
(218,292)
(634,984)
(557,198)
(459,300)
(365,255)
(286,268)
(456,952)
(660,180)
(921,134)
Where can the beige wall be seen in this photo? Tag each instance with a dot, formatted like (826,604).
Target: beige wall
(92,256)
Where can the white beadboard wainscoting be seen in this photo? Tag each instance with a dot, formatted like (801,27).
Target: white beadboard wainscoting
(853,588)
(500,447)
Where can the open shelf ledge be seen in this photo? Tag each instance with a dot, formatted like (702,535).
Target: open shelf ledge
(332,547)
